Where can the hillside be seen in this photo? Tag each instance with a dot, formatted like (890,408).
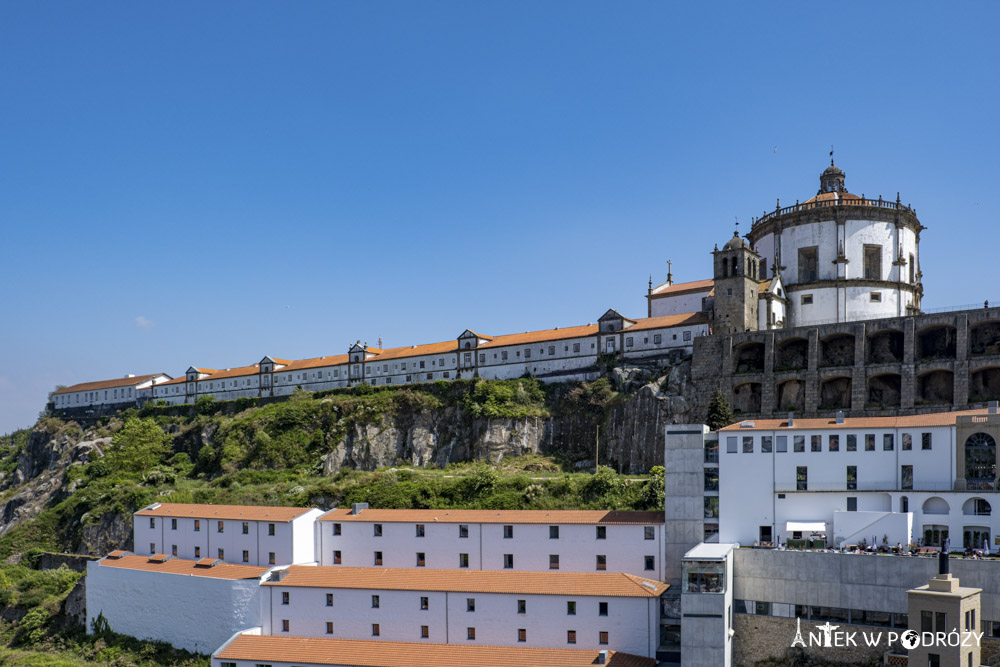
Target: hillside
(68,486)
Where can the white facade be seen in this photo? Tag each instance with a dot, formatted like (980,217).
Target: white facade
(898,475)
(228,533)
(189,607)
(121,391)
(568,541)
(341,607)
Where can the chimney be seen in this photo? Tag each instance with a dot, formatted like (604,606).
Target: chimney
(602,658)
(840,416)
(943,561)
(791,419)
(357,507)
(992,405)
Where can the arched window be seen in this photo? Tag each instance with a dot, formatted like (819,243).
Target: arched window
(736,270)
(980,461)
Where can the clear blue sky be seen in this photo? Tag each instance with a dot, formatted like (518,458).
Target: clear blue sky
(206,183)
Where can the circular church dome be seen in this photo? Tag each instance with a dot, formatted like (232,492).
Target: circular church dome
(736,242)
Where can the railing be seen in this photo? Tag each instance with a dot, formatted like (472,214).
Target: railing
(883,485)
(875,203)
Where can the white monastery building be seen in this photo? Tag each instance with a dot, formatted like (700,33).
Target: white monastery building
(243,534)
(121,391)
(510,540)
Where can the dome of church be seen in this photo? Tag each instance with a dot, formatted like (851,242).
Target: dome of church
(736,242)
(833,170)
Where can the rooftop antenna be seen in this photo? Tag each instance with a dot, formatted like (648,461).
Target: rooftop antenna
(380,342)
(670,273)
(831,155)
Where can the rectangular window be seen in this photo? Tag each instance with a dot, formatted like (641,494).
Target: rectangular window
(173,549)
(503,355)
(807,299)
(815,443)
(463,560)
(222,554)
(329,627)
(553,532)
(197,552)
(375,602)
(808,263)
(602,637)
(872,262)
(375,630)
(906,442)
(463,531)
(336,558)
(711,507)
(378,558)
(284,625)
(329,599)
(508,561)
(152,522)
(553,561)
(648,533)
(377,530)
(336,529)
(246,528)
(602,532)
(552,349)
(470,604)
(424,603)
(869,442)
(833,443)
(687,335)
(602,562)
(765,444)
(508,532)
(420,530)
(925,441)
(482,358)
(801,478)
(285,597)
(197,525)
(781,444)
(906,478)
(173,524)
(221,527)
(657,339)
(852,478)
(650,563)
(887,443)
(571,607)
(270,558)
(852,443)
(711,479)
(602,608)
(522,635)
(421,560)
(270,529)
(424,632)
(527,353)
(576,346)
(875,296)
(522,606)
(628,341)
(470,633)
(852,504)
(799,443)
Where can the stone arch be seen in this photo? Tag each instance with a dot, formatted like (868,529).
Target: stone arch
(984,384)
(984,338)
(791,354)
(884,391)
(748,357)
(746,397)
(885,347)
(935,505)
(835,393)
(936,342)
(791,395)
(837,350)
(976,506)
(936,387)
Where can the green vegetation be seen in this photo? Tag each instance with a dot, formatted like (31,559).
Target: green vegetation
(719,412)
(241,452)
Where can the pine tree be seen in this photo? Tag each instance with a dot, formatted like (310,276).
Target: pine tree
(719,412)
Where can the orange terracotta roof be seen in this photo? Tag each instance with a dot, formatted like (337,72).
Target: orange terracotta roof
(663,321)
(315,362)
(233,372)
(682,288)
(230,512)
(182,379)
(542,336)
(109,384)
(479,335)
(496,516)
(830,196)
(208,371)
(417,350)
(604,584)
(184,567)
(909,421)
(373,653)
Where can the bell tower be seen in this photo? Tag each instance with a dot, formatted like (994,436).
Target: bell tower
(737,275)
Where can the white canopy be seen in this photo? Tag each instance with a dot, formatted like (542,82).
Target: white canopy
(806,526)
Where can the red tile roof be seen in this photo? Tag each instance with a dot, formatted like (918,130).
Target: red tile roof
(373,653)
(315,362)
(496,516)
(682,288)
(542,336)
(606,584)
(228,512)
(909,421)
(181,566)
(663,321)
(417,350)
(109,384)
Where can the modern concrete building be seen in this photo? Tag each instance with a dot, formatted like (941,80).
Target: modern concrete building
(946,616)
(707,606)
(245,534)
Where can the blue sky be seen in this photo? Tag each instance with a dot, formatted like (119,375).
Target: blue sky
(206,183)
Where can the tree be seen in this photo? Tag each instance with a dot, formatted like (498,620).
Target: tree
(137,447)
(719,412)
